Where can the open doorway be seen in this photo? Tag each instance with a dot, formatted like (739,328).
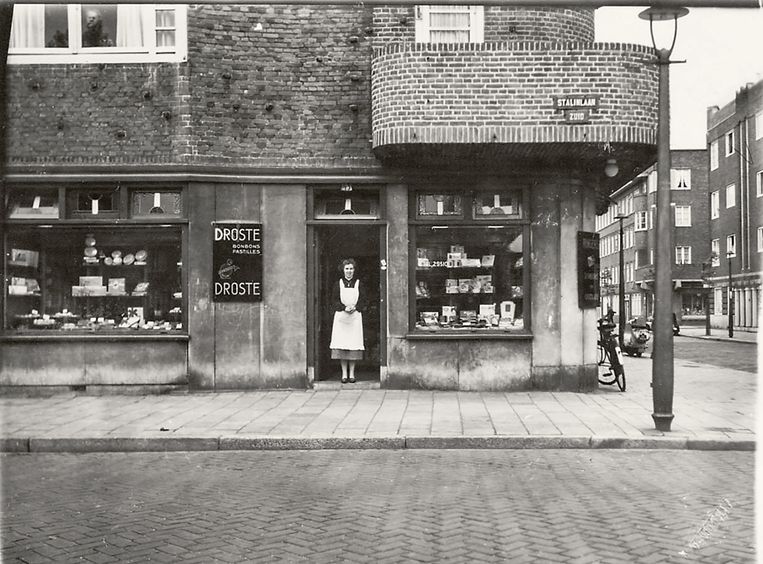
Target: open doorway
(333,243)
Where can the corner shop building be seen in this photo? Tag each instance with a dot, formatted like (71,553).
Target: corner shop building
(463,177)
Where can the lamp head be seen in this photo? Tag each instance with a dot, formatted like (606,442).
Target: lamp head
(661,14)
(611,169)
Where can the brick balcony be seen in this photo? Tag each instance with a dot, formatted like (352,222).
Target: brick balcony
(496,101)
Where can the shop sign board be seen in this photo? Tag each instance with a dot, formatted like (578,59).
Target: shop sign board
(588,270)
(236,262)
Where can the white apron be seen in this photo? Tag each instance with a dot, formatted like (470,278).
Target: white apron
(347,331)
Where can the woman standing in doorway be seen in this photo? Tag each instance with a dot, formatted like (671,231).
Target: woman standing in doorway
(347,332)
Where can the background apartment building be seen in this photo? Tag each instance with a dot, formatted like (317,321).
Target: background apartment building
(635,203)
(735,146)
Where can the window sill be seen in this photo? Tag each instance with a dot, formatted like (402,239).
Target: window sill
(467,335)
(42,335)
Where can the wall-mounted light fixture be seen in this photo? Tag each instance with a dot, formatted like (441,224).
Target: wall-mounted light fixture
(611,169)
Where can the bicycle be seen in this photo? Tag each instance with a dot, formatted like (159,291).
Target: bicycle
(610,355)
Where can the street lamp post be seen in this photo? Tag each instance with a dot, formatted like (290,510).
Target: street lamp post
(731,299)
(621,287)
(662,358)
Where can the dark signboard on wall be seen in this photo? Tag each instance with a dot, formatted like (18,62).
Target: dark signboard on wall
(588,270)
(237,262)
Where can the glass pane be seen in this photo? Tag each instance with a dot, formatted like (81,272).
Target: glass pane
(439,204)
(33,204)
(333,203)
(165,18)
(99,25)
(165,38)
(469,278)
(493,204)
(94,279)
(56,26)
(156,203)
(95,202)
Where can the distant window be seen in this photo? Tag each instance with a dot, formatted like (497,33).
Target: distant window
(759,125)
(714,155)
(731,200)
(715,251)
(760,239)
(449,24)
(759,183)
(651,181)
(718,301)
(730,143)
(683,216)
(641,220)
(683,255)
(680,179)
(715,204)
(731,245)
(89,33)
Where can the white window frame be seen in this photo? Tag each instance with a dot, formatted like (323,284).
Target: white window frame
(642,221)
(680,179)
(714,155)
(759,184)
(76,54)
(760,239)
(759,125)
(715,252)
(731,201)
(476,22)
(730,141)
(682,216)
(715,204)
(683,254)
(731,245)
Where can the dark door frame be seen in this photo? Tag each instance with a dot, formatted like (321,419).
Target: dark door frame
(313,310)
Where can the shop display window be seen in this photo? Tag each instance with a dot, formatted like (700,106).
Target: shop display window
(469,278)
(488,205)
(94,279)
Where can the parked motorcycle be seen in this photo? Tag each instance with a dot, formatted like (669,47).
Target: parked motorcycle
(636,336)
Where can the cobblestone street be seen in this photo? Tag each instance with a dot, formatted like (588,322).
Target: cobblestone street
(380,506)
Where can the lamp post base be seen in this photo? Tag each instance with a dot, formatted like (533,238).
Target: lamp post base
(662,421)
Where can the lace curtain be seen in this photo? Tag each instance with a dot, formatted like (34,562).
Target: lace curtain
(28,27)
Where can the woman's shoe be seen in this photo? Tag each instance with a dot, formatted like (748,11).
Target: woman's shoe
(352,380)
(344,380)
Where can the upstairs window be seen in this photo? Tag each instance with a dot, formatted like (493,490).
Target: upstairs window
(731,199)
(731,245)
(683,255)
(683,216)
(715,252)
(730,143)
(759,125)
(715,204)
(449,24)
(680,179)
(641,221)
(714,155)
(85,33)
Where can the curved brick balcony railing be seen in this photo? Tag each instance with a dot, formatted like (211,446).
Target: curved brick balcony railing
(504,93)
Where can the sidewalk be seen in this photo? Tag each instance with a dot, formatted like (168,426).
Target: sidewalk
(698,331)
(713,407)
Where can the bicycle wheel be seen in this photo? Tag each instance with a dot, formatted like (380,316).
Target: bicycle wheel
(617,366)
(607,375)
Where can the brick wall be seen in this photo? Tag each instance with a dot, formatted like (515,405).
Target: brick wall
(97,113)
(397,24)
(506,90)
(296,93)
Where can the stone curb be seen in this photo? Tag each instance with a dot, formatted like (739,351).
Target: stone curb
(179,444)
